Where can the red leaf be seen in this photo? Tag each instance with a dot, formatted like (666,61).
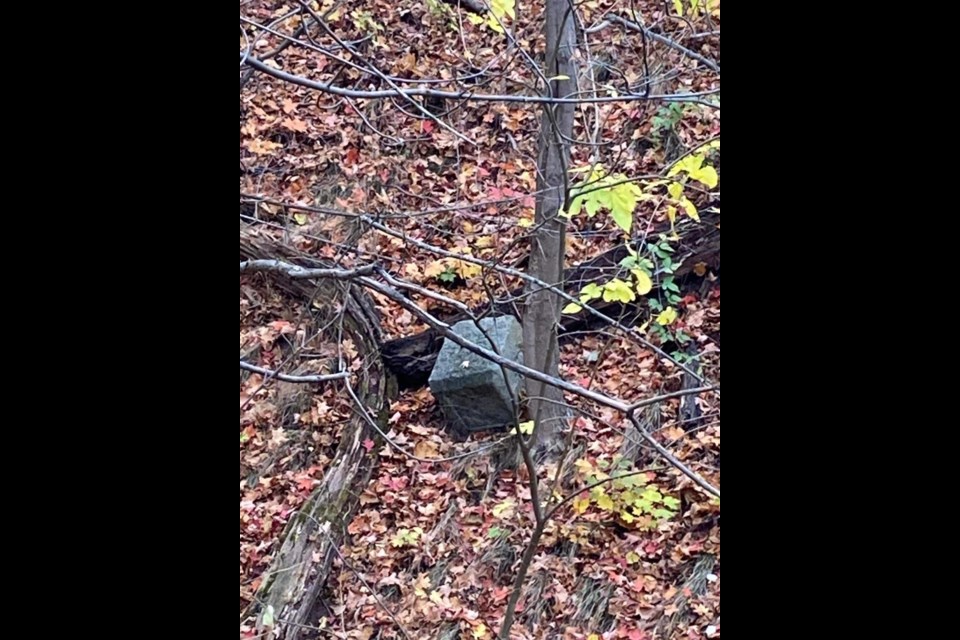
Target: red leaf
(368,444)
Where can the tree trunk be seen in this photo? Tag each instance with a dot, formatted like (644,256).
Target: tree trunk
(541,316)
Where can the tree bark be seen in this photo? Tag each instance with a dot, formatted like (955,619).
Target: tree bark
(541,315)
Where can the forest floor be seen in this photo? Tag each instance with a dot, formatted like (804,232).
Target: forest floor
(439,542)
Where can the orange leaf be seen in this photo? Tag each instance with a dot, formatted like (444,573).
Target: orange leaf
(262,147)
(294,124)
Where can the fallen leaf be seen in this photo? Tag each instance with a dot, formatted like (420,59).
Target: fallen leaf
(294,124)
(426,449)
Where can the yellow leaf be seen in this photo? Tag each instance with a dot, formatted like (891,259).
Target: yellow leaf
(667,316)
(605,502)
(300,218)
(691,164)
(436,598)
(572,308)
(580,505)
(593,636)
(707,175)
(671,213)
(525,222)
(526,428)
(435,268)
(504,508)
(618,291)
(678,7)
(675,189)
(480,631)
(644,284)
(475,19)
(627,516)
(493,24)
(690,208)
(426,449)
(421,585)
(468,269)
(262,147)
(584,465)
(559,77)
(590,292)
(501,8)
(294,124)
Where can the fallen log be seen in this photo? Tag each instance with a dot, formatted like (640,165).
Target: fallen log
(287,603)
(411,358)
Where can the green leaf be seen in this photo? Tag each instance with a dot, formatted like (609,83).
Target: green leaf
(268,616)
(495,532)
(644,283)
(651,494)
(593,205)
(678,7)
(575,205)
(572,308)
(618,291)
(559,77)
(671,503)
(663,514)
(623,200)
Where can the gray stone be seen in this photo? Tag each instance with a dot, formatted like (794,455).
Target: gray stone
(470,389)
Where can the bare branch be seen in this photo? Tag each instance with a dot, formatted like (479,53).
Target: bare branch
(669,457)
(695,96)
(246,366)
(613,18)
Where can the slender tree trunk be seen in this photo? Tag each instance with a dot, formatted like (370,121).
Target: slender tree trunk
(542,314)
